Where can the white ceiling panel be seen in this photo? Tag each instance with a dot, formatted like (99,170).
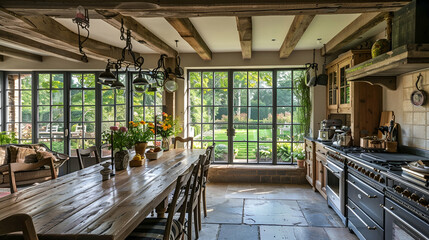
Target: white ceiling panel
(162,29)
(17,47)
(219,33)
(269,28)
(324,27)
(101,31)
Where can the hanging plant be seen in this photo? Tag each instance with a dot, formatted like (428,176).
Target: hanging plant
(302,92)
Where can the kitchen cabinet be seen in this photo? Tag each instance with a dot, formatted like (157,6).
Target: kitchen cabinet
(309,162)
(320,170)
(361,100)
(339,90)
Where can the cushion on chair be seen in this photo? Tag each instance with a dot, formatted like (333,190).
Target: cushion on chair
(3,159)
(154,228)
(22,155)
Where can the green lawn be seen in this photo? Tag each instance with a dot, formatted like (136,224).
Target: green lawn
(244,135)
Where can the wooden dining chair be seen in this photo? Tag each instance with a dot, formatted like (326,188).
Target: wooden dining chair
(168,228)
(194,199)
(184,140)
(13,168)
(205,171)
(19,223)
(86,153)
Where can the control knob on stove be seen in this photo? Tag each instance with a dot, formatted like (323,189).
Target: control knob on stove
(359,169)
(371,175)
(377,177)
(398,189)
(367,173)
(362,170)
(381,180)
(423,202)
(406,193)
(349,163)
(356,166)
(414,197)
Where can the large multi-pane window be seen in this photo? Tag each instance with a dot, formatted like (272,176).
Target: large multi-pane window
(82,111)
(248,114)
(50,110)
(113,105)
(208,109)
(19,106)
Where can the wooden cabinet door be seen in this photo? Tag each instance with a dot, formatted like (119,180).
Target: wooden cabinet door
(332,89)
(344,87)
(309,162)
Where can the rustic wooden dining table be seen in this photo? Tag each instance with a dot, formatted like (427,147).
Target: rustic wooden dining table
(80,205)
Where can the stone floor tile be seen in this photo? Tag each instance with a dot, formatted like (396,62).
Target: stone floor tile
(310,233)
(238,232)
(224,210)
(340,233)
(318,214)
(272,191)
(216,190)
(276,232)
(274,212)
(208,232)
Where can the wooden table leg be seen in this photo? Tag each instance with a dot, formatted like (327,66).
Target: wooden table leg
(162,208)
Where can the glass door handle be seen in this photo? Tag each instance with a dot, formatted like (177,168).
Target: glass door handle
(66,133)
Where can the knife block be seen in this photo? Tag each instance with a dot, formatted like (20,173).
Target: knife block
(391,146)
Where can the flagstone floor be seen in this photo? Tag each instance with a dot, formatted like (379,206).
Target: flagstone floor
(269,211)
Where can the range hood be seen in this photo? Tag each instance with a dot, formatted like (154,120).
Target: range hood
(384,69)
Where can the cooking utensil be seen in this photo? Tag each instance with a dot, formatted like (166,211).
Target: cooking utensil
(418,97)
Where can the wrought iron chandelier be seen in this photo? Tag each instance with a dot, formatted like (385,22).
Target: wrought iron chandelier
(159,77)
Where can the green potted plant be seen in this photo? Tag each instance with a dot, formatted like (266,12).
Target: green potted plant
(140,134)
(299,156)
(166,127)
(119,139)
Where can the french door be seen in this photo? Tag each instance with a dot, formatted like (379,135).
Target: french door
(248,114)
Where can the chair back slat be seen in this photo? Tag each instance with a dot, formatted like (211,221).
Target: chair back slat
(19,223)
(180,197)
(184,140)
(86,153)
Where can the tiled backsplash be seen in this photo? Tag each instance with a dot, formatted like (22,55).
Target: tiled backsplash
(415,120)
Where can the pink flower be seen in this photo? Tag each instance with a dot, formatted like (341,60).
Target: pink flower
(114,128)
(123,129)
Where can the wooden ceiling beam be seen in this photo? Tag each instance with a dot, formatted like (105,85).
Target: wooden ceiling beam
(244,27)
(355,29)
(47,29)
(192,8)
(139,33)
(40,47)
(188,32)
(297,29)
(15,53)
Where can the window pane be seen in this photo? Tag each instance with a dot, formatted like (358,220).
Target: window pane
(221,80)
(284,79)
(240,79)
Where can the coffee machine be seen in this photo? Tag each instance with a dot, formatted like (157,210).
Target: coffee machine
(327,129)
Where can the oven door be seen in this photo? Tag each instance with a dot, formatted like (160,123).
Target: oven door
(402,224)
(335,187)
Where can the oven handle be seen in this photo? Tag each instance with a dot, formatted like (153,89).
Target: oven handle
(403,221)
(362,191)
(331,170)
(360,219)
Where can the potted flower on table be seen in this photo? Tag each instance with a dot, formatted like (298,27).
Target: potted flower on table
(166,127)
(140,134)
(119,140)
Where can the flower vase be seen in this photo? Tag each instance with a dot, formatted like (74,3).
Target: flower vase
(121,160)
(165,143)
(140,148)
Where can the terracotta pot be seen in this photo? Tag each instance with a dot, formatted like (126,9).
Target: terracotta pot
(121,160)
(140,148)
(300,163)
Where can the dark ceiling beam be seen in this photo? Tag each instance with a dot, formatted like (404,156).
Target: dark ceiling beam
(188,32)
(355,29)
(244,27)
(192,8)
(47,30)
(39,47)
(297,29)
(139,33)
(15,53)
